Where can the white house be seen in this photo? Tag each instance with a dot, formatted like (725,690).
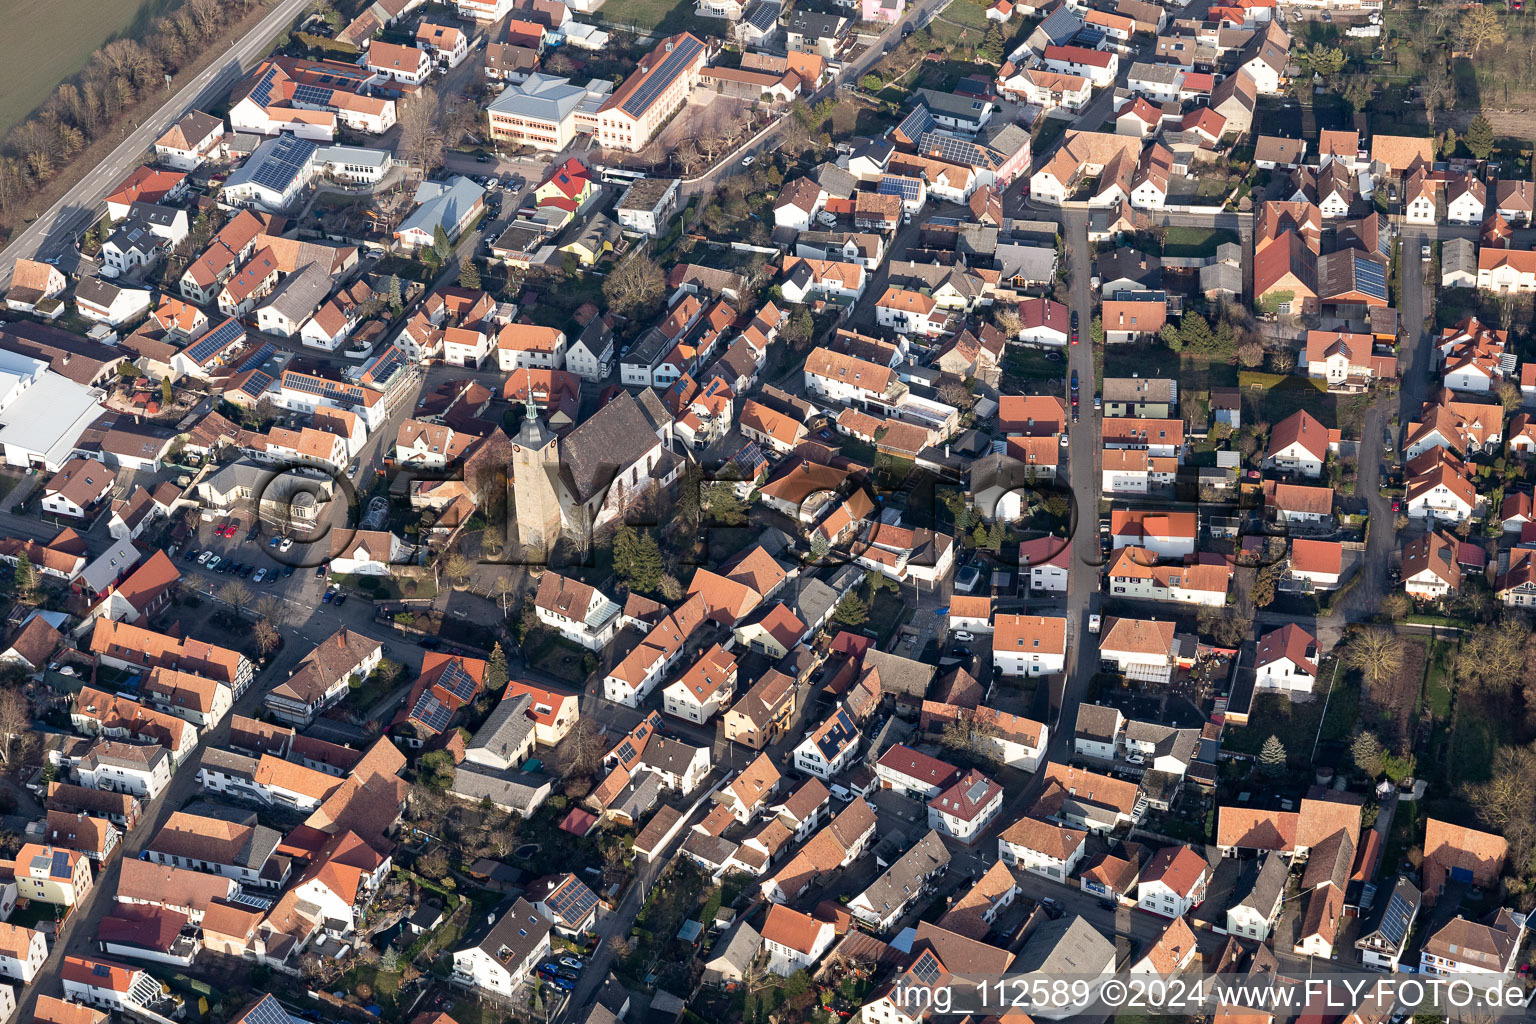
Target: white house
(106,303)
(1029,644)
(830,748)
(1254,916)
(582,614)
(966,808)
(909,312)
(368,553)
(1042,848)
(1287,660)
(506,953)
(22,952)
(913,774)
(705,689)
(1173,883)
(1139,649)
(1466,197)
(191,141)
(407,65)
(1301,444)
(1098,731)
(1047,563)
(794,941)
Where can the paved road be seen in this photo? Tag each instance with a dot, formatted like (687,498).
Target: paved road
(53,233)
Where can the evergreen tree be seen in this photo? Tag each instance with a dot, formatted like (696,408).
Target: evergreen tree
(819,546)
(1479,137)
(26,576)
(1367,754)
(1272,757)
(469,274)
(850,611)
(624,541)
(1448,148)
(1096,330)
(1196,333)
(1171,337)
(167,392)
(440,243)
(392,294)
(496,670)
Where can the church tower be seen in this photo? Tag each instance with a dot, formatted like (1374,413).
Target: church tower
(535,467)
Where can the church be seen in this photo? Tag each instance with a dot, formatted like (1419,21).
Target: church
(619,455)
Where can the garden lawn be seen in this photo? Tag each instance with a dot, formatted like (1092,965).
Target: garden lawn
(886,613)
(1297,724)
(1191,242)
(1033,363)
(559,657)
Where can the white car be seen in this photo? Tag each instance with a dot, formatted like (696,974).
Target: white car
(286,544)
(748,160)
(261,574)
(202,559)
(1093,623)
(1065,440)
(964,637)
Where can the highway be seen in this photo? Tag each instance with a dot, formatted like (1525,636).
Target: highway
(53,233)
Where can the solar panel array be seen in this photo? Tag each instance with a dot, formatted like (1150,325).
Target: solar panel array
(431,712)
(909,189)
(458,682)
(927,968)
(321,386)
(312,94)
(215,341)
(956,151)
(284,161)
(262,91)
(1394,923)
(253,359)
(764,15)
(572,901)
(389,363)
(101,971)
(835,738)
(1371,277)
(683,53)
(918,123)
(257,383)
(268,1011)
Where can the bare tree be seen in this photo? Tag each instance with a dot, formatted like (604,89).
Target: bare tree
(1377,652)
(267,637)
(421,131)
(235,594)
(584,749)
(15,720)
(270,607)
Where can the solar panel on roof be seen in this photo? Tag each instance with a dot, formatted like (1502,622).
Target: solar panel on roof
(268,1011)
(215,340)
(927,968)
(457,681)
(257,383)
(314,94)
(763,16)
(1394,923)
(837,736)
(431,713)
(572,901)
(956,151)
(101,970)
(909,189)
(1370,276)
(917,123)
(262,91)
(683,52)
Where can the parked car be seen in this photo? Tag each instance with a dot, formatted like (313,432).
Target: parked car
(330,592)
(1074,327)
(203,558)
(566,961)
(1093,623)
(320,572)
(274,542)
(212,564)
(286,544)
(1424,253)
(261,574)
(963,636)
(340,599)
